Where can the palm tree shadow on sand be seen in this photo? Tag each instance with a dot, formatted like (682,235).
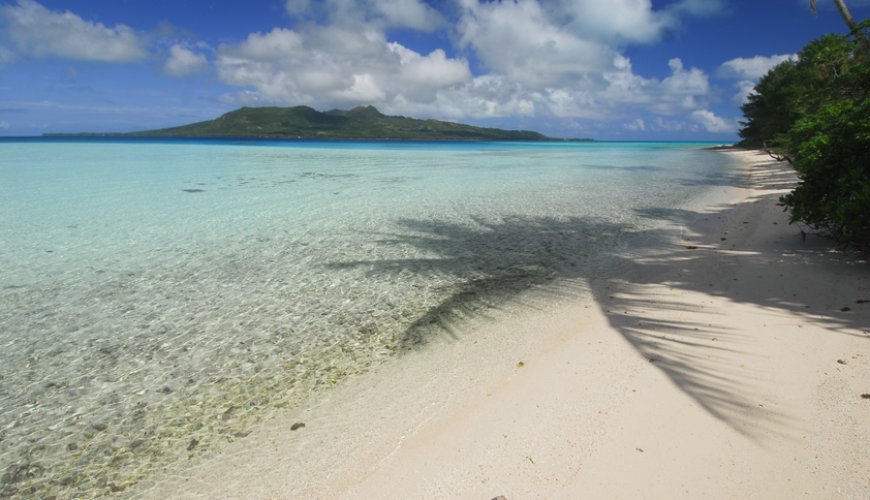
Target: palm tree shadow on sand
(497,262)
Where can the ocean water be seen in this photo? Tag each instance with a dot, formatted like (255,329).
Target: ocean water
(159,298)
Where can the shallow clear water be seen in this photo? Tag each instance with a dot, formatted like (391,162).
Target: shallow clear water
(159,297)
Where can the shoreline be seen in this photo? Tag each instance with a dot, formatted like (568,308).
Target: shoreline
(709,371)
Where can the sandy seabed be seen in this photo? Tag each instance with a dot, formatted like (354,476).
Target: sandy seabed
(728,363)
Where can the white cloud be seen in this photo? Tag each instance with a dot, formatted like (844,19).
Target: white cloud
(746,87)
(751,69)
(683,91)
(409,14)
(273,46)
(184,62)
(4,124)
(615,21)
(413,14)
(337,66)
(712,122)
(566,63)
(547,72)
(246,98)
(6,56)
(40,32)
(661,124)
(635,125)
(700,8)
(624,21)
(421,77)
(563,65)
(545,55)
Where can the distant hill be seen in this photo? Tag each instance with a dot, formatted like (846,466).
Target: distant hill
(358,123)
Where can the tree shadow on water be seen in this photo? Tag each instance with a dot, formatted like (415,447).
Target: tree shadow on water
(487,264)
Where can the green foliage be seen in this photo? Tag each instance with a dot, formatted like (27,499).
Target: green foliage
(834,161)
(827,113)
(792,89)
(770,110)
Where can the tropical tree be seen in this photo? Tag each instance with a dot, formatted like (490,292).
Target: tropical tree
(769,110)
(793,89)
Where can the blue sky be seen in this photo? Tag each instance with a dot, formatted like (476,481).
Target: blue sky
(610,70)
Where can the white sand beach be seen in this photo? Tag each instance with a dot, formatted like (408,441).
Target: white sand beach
(731,370)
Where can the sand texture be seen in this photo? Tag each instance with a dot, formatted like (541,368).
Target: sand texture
(734,369)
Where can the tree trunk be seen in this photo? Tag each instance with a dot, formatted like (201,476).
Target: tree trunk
(850,22)
(847,16)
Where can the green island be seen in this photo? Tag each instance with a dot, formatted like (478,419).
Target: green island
(303,122)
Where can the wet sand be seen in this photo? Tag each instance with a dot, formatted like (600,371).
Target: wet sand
(728,363)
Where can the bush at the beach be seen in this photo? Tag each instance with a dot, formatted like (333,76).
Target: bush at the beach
(816,111)
(833,158)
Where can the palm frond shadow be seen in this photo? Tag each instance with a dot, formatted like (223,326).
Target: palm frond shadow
(496,262)
(488,264)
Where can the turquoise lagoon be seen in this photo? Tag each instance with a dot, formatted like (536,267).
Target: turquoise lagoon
(159,297)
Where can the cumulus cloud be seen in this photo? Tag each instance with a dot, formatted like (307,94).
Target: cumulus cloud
(545,54)
(749,71)
(39,32)
(333,65)
(184,62)
(683,91)
(623,21)
(409,14)
(745,87)
(635,125)
(549,71)
(753,68)
(699,8)
(711,122)
(661,124)
(616,21)
(413,14)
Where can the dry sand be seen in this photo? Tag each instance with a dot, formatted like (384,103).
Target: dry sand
(732,370)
